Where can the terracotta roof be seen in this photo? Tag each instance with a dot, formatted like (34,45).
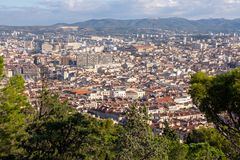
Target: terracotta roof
(81,91)
(164,100)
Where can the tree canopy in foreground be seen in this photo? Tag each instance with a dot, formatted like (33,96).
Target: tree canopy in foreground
(219,98)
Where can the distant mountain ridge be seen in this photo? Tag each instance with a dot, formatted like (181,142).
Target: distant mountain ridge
(173,24)
(202,25)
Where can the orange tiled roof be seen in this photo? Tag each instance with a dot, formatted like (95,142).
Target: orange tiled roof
(165,100)
(81,91)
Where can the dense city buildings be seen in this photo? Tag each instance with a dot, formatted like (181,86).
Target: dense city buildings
(105,74)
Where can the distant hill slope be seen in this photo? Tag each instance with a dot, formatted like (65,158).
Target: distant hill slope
(203,25)
(174,24)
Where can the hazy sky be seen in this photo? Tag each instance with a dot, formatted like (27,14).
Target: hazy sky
(43,12)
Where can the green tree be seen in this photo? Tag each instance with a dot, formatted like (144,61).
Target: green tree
(54,133)
(176,150)
(169,133)
(60,132)
(137,141)
(214,139)
(101,143)
(203,151)
(1,67)
(14,114)
(219,98)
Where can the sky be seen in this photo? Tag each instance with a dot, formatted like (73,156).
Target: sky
(46,12)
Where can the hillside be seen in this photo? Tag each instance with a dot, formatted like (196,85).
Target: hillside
(174,24)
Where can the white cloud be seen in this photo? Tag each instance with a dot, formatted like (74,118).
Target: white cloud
(150,8)
(232,1)
(158,3)
(53,11)
(153,6)
(84,5)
